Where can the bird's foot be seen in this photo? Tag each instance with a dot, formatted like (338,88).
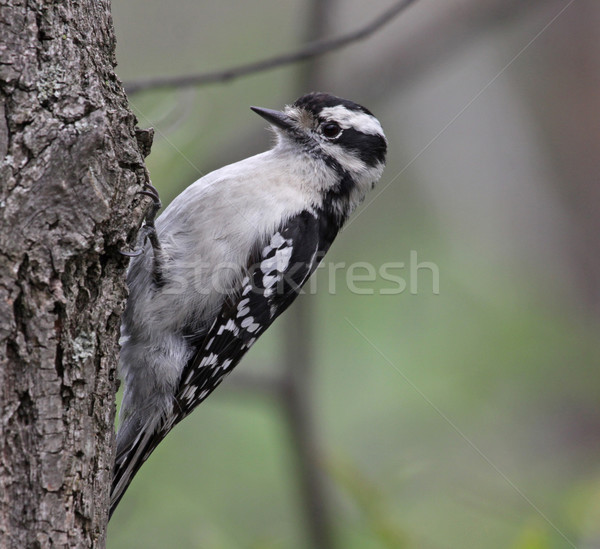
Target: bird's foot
(148,231)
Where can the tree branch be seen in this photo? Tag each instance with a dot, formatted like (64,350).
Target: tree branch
(313,49)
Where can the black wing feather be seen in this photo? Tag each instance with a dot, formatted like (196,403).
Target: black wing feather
(275,275)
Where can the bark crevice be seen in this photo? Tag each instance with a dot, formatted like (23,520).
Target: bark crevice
(70,168)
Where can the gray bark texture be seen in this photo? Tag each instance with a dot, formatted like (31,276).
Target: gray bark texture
(70,169)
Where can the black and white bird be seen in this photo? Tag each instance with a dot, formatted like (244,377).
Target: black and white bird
(228,256)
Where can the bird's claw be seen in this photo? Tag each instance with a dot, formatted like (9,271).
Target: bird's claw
(135,253)
(149,231)
(152,193)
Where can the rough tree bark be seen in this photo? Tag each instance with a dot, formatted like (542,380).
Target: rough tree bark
(70,166)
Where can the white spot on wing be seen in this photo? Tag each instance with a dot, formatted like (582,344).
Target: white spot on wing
(249,324)
(189,393)
(269,281)
(247,290)
(247,321)
(279,261)
(230,326)
(242,307)
(277,241)
(209,360)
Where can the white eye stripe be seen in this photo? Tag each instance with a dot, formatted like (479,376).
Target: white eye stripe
(346,159)
(357,120)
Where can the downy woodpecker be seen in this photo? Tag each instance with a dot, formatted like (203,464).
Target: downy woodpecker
(228,256)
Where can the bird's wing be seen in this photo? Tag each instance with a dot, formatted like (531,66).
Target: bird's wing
(274,278)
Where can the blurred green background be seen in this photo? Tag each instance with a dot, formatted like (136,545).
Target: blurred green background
(464,418)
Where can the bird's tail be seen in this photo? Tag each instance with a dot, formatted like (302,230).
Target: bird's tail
(135,443)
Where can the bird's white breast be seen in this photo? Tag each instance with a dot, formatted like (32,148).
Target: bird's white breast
(207,230)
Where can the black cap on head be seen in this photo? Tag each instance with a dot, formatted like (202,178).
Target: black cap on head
(316,101)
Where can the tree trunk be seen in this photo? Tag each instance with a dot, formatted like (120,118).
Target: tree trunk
(69,172)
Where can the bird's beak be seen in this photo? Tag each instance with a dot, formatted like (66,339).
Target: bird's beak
(277,118)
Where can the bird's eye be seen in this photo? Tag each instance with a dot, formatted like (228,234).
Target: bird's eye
(331,129)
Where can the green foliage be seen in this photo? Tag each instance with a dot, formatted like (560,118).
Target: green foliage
(533,536)
(373,506)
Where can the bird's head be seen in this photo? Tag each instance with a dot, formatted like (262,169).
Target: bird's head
(342,135)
